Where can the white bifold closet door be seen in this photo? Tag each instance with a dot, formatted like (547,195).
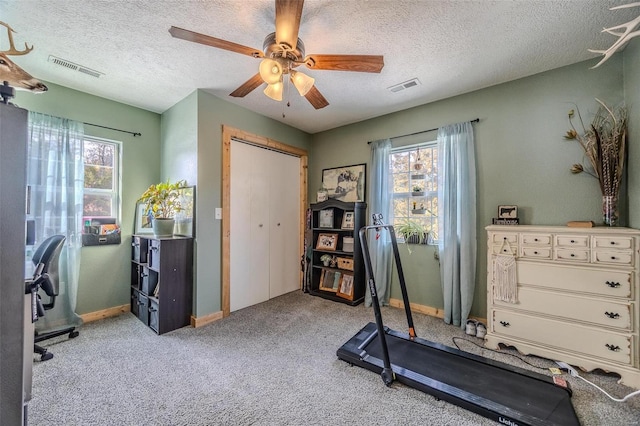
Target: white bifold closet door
(265,224)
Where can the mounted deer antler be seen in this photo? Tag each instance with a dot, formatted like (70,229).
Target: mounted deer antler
(623,36)
(13,74)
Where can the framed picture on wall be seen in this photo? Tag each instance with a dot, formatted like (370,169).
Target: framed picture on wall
(346,183)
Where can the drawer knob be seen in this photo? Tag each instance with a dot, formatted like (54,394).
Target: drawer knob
(535,239)
(535,252)
(612,315)
(573,255)
(573,241)
(613,243)
(613,348)
(613,284)
(504,323)
(613,258)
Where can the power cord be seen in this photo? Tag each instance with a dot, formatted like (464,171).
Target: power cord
(498,352)
(572,371)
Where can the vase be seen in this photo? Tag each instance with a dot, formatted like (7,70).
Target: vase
(163,227)
(610,210)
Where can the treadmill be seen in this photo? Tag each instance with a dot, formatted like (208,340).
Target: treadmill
(509,395)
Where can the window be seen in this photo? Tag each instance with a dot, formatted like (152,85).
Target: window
(414,182)
(101,178)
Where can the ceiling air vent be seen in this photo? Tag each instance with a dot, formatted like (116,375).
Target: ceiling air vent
(74,67)
(407,84)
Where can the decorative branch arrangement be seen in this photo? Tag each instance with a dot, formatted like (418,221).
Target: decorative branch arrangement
(623,36)
(605,146)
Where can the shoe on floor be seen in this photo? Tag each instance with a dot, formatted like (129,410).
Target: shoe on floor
(481,330)
(471,327)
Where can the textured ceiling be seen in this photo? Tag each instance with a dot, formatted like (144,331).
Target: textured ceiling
(451,47)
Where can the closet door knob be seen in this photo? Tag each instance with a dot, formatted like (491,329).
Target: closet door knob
(278,223)
(260,225)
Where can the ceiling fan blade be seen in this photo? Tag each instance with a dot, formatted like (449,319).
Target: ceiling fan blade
(288,13)
(315,98)
(215,42)
(247,87)
(359,63)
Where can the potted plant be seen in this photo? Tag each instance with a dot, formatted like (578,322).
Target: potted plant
(162,202)
(417,190)
(326,259)
(412,231)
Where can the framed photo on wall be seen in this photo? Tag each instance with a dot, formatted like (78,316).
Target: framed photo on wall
(346,183)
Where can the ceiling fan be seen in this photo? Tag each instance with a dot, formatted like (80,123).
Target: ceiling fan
(283,52)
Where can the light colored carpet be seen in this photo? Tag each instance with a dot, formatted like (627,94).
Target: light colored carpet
(270,364)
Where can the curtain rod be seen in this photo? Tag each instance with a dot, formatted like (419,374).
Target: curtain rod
(424,131)
(117,130)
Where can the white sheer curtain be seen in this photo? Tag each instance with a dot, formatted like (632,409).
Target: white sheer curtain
(457,220)
(380,249)
(55,173)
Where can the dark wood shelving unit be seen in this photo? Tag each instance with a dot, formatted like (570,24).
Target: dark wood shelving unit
(350,263)
(162,281)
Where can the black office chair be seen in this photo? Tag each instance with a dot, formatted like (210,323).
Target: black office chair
(46,278)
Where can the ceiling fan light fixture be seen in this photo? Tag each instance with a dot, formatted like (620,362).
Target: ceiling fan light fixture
(302,82)
(270,71)
(274,91)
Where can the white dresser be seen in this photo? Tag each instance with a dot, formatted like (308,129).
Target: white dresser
(577,296)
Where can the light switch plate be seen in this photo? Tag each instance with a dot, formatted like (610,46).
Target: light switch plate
(218,213)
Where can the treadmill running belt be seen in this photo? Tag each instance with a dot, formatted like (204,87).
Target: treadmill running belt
(480,384)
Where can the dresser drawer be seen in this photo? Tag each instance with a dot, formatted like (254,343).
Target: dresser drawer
(562,335)
(572,255)
(536,252)
(584,309)
(536,239)
(589,280)
(500,237)
(614,257)
(572,241)
(613,242)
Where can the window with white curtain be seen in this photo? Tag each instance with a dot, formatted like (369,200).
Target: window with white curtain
(414,186)
(101,178)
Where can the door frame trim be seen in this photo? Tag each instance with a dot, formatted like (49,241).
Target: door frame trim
(229,133)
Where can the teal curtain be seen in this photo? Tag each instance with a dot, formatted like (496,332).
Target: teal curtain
(380,248)
(457,220)
(55,174)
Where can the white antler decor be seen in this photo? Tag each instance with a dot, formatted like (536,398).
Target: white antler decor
(623,36)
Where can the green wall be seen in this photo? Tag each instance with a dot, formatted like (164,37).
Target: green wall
(105,271)
(521,156)
(211,114)
(632,98)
